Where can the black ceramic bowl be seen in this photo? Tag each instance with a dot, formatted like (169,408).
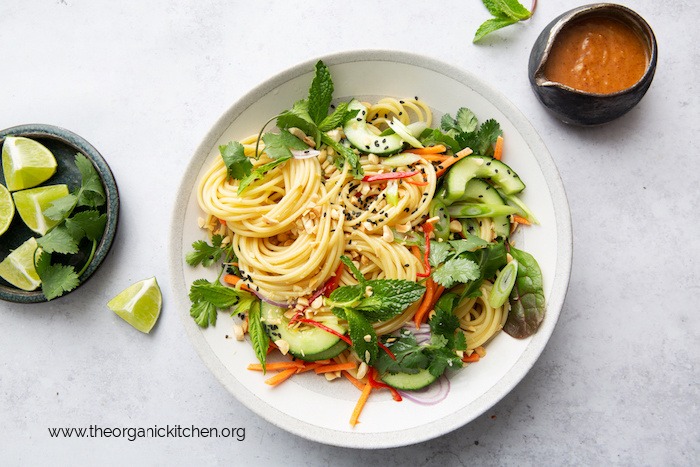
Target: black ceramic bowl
(580,107)
(64,145)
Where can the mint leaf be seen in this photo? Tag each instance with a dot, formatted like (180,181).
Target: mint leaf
(347,296)
(491,25)
(258,336)
(340,115)
(237,164)
(259,172)
(298,117)
(353,269)
(91,192)
(456,270)
(90,224)
(513,8)
(277,146)
(56,279)
(389,298)
(58,240)
(358,330)
(320,93)
(344,155)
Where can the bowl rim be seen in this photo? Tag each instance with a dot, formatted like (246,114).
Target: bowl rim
(456,419)
(80,144)
(575,14)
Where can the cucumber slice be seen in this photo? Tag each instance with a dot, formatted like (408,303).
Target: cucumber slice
(478,191)
(480,210)
(358,133)
(404,132)
(471,167)
(307,343)
(401,160)
(409,382)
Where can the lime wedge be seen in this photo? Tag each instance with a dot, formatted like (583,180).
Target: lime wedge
(18,267)
(32,203)
(7,209)
(26,163)
(139,304)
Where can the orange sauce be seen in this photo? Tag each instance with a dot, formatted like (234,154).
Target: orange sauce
(597,54)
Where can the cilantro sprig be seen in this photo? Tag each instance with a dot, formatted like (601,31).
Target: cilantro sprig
(435,355)
(505,13)
(370,301)
(78,220)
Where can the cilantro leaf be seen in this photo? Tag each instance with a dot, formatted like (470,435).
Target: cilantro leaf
(90,224)
(56,279)
(446,324)
(490,260)
(258,336)
(433,137)
(439,252)
(469,243)
(411,357)
(206,254)
(61,207)
(207,297)
(358,329)
(456,270)
(277,146)
(320,93)
(58,240)
(238,165)
(505,13)
(91,192)
(489,131)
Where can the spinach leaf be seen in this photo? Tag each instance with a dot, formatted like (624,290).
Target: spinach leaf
(527,304)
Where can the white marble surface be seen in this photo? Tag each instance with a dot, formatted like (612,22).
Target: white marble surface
(143,81)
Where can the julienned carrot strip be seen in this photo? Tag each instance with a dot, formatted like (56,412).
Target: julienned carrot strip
(356,382)
(424,307)
(520,219)
(417,183)
(443,166)
(309,367)
(437,149)
(436,296)
(270,348)
(281,377)
(233,280)
(276,366)
(435,157)
(335,367)
(360,404)
(474,357)
(498,150)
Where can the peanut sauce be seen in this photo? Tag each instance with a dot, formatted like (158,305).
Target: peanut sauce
(597,54)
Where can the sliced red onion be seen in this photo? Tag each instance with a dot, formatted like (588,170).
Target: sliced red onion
(305,153)
(272,302)
(433,394)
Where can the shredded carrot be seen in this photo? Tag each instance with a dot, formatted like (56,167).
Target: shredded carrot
(520,219)
(417,183)
(270,348)
(281,377)
(356,382)
(276,366)
(435,157)
(233,280)
(437,149)
(309,367)
(498,150)
(442,167)
(335,367)
(439,289)
(474,357)
(354,419)
(424,307)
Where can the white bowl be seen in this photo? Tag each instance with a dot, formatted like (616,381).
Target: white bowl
(308,405)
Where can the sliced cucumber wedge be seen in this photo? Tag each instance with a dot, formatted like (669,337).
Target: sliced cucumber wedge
(309,343)
(471,167)
(479,191)
(404,132)
(409,382)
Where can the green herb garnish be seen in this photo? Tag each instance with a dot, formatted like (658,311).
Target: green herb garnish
(72,228)
(505,13)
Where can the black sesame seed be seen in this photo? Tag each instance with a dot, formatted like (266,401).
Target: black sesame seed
(386,115)
(495,170)
(415,97)
(402,102)
(363,112)
(488,163)
(376,143)
(400,113)
(358,119)
(367,146)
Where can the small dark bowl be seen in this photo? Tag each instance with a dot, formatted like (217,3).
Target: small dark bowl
(64,145)
(580,107)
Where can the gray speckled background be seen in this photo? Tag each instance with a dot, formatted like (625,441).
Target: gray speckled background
(143,81)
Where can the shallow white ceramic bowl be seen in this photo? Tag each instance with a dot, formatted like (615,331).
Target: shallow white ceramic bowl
(307,405)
